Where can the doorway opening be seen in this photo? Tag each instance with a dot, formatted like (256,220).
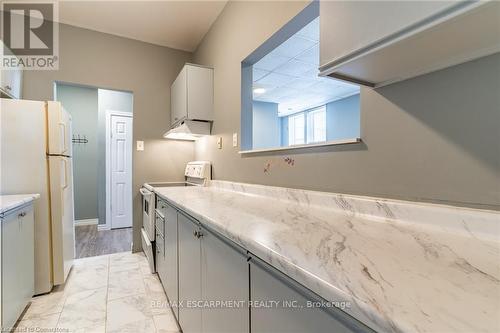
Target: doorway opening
(102,125)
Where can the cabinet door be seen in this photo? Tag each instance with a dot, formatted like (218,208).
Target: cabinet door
(16,82)
(6,81)
(346,27)
(11,257)
(11,79)
(268,286)
(178,98)
(200,92)
(159,256)
(27,254)
(189,275)
(224,272)
(171,260)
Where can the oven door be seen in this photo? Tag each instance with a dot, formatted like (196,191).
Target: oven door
(148,213)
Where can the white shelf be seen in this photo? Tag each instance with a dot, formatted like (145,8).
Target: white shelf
(305,146)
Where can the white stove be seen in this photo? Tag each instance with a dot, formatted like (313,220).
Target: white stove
(197,173)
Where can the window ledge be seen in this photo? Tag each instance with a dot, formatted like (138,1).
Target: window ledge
(305,146)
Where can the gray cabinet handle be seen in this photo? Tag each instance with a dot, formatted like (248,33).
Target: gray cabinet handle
(22,214)
(8,87)
(197,234)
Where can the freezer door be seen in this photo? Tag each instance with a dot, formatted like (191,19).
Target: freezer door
(59,125)
(63,229)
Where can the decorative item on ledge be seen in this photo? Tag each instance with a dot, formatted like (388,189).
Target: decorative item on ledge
(79,139)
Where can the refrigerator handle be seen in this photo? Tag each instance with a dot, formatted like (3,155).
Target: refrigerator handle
(65,174)
(63,188)
(63,127)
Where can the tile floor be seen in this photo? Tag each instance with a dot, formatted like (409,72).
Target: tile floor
(110,293)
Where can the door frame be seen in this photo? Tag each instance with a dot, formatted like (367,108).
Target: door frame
(109,114)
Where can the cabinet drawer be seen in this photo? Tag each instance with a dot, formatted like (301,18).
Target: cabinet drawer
(160,223)
(161,205)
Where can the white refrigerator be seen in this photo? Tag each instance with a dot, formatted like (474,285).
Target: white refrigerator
(36,158)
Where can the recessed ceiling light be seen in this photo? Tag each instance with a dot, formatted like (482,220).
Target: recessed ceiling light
(259,90)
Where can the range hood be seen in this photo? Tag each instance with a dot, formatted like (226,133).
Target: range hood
(190,130)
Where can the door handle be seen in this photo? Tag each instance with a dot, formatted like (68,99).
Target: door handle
(8,87)
(22,214)
(198,234)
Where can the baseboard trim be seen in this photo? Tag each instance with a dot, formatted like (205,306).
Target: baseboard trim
(103,227)
(87,222)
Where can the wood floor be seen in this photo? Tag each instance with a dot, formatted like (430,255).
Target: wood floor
(90,242)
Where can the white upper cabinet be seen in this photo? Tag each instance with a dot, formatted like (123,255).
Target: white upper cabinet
(380,42)
(192,94)
(11,81)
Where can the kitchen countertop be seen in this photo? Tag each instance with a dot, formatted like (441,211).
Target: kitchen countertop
(402,266)
(8,202)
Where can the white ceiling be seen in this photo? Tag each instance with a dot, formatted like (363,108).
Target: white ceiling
(289,75)
(177,24)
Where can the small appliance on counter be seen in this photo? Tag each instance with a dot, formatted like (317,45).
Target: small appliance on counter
(197,173)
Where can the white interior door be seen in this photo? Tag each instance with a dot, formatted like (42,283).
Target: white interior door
(120,170)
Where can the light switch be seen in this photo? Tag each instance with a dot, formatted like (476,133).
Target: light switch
(235,139)
(140,145)
(219,142)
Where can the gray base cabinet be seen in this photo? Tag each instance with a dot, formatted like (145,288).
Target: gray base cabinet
(171,257)
(18,264)
(280,304)
(224,273)
(189,275)
(221,289)
(213,282)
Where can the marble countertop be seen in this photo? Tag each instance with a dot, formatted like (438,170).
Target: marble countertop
(401,266)
(8,202)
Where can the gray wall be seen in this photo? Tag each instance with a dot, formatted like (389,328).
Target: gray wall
(432,138)
(106,61)
(266,125)
(81,103)
(122,101)
(343,119)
